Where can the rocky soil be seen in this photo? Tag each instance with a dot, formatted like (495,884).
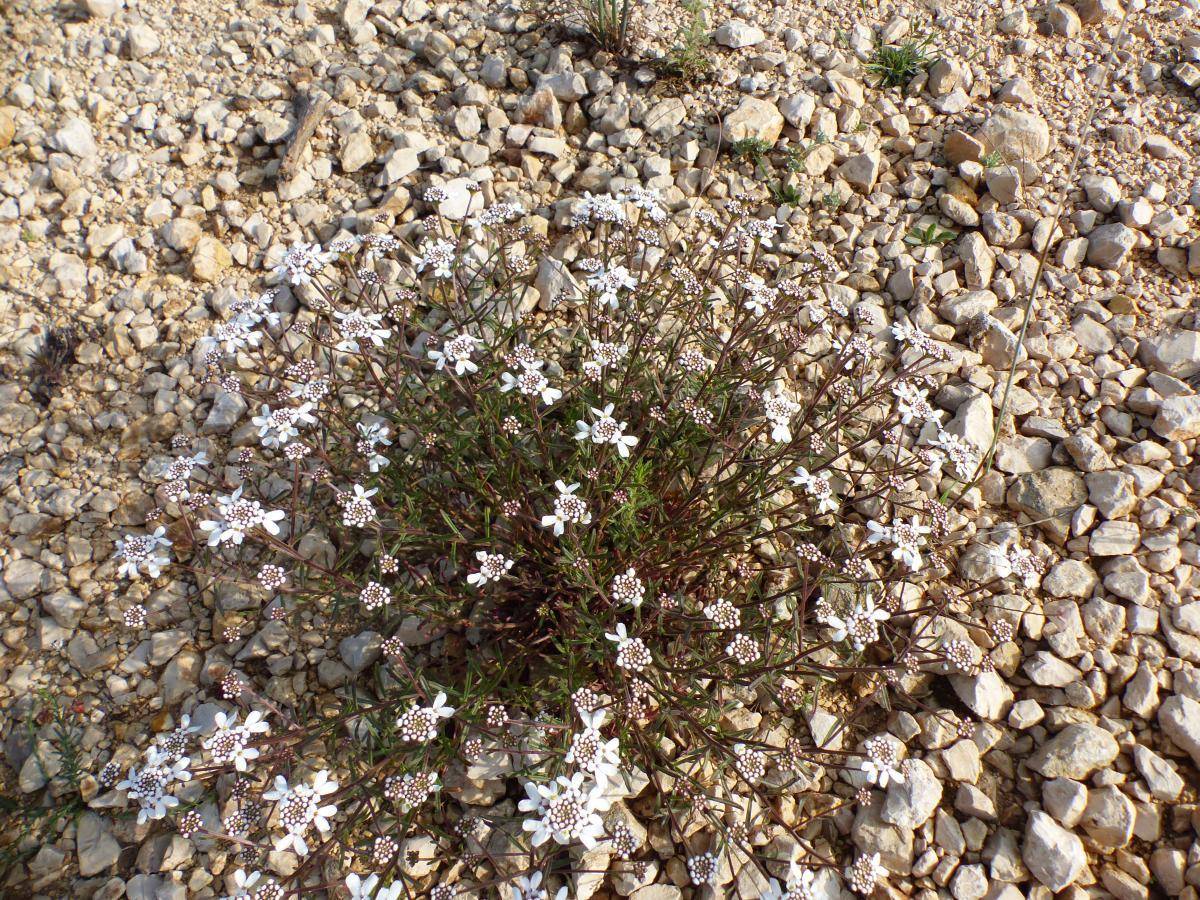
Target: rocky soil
(141,191)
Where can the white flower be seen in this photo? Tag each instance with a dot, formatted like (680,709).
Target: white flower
(492,567)
(912,402)
(608,283)
(357,509)
(817,487)
(779,411)
(278,427)
(566,810)
(355,326)
(590,752)
(860,627)
(881,764)
(368,437)
(567,509)
(302,262)
(365,888)
(601,208)
(138,551)
(229,742)
(908,538)
(457,352)
(759,296)
(961,454)
(531,382)
(865,873)
(300,809)
(606,430)
(438,256)
(647,200)
(149,785)
(238,517)
(243,885)
(420,723)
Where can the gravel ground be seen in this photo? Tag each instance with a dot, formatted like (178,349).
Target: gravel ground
(140,193)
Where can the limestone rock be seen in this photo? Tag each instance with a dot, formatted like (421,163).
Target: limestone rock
(1053,855)
(1016,134)
(1075,752)
(209,259)
(753,118)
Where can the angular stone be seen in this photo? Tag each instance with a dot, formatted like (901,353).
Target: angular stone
(1053,855)
(98,850)
(753,118)
(1108,245)
(735,35)
(1016,134)
(986,694)
(911,802)
(1050,498)
(209,259)
(1178,418)
(1179,718)
(861,171)
(1114,539)
(1075,752)
(1176,353)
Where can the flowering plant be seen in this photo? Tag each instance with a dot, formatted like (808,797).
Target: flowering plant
(602,528)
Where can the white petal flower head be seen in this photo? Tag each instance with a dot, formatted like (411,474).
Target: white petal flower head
(881,764)
(243,883)
(138,552)
(437,257)
(566,809)
(456,352)
(864,873)
(362,888)
(302,262)
(356,326)
(606,430)
(531,382)
(568,509)
(492,567)
(779,410)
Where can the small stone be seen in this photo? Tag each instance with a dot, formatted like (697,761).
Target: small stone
(735,35)
(98,850)
(103,9)
(357,151)
(1174,352)
(911,802)
(181,234)
(1064,20)
(209,259)
(1050,497)
(1053,855)
(1103,192)
(1070,578)
(1179,718)
(1108,245)
(861,171)
(753,118)
(1161,777)
(960,147)
(1108,817)
(1114,539)
(1178,418)
(985,694)
(1065,800)
(1016,134)
(142,41)
(75,137)
(1075,752)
